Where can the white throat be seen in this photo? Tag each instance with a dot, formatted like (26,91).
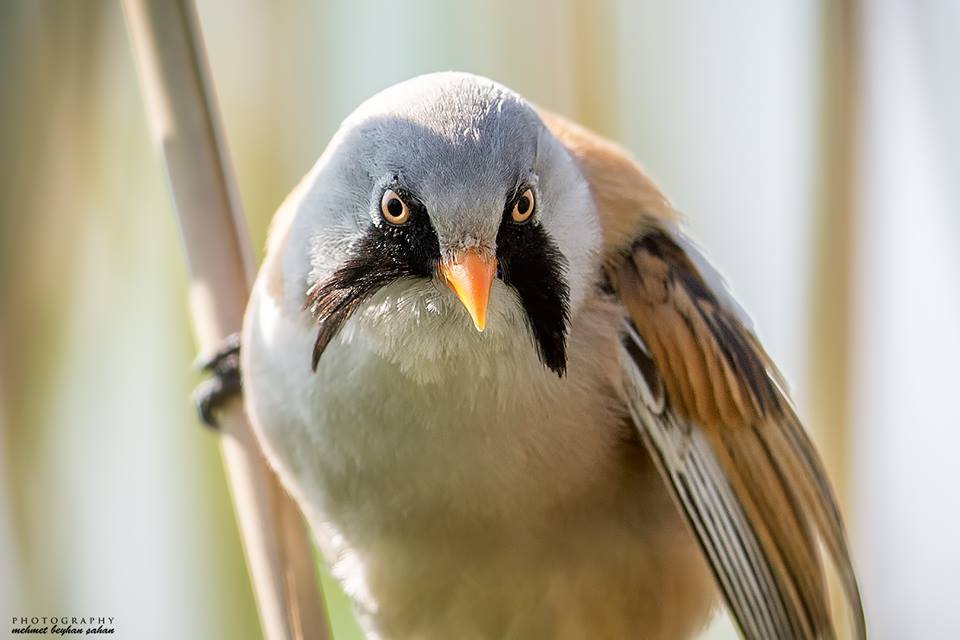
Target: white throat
(420,326)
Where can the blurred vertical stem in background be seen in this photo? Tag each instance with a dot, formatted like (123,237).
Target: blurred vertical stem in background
(833,241)
(42,105)
(835,225)
(174,76)
(594,43)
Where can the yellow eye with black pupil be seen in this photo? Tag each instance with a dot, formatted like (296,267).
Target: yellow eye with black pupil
(393,208)
(523,207)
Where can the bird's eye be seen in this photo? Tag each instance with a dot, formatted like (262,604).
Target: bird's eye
(523,207)
(394,209)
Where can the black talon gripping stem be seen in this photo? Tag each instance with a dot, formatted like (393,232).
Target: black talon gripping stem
(225,383)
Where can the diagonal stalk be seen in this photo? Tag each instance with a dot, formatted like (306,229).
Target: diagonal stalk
(184,122)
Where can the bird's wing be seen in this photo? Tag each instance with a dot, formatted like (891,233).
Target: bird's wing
(710,407)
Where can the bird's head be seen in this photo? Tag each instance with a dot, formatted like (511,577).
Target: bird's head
(445,222)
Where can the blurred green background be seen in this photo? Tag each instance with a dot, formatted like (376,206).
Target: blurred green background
(814,146)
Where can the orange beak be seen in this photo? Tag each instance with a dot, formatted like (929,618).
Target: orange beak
(470,275)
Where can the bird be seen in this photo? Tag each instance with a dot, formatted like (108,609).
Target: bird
(513,399)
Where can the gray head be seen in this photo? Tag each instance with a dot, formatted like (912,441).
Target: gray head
(441,200)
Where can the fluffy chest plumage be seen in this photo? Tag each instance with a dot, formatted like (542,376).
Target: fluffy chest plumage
(477,430)
(486,481)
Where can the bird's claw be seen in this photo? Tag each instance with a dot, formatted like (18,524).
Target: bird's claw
(212,394)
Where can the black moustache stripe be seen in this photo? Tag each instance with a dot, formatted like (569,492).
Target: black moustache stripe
(336,299)
(534,266)
(385,254)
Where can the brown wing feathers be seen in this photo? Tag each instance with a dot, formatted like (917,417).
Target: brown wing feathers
(720,381)
(724,433)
